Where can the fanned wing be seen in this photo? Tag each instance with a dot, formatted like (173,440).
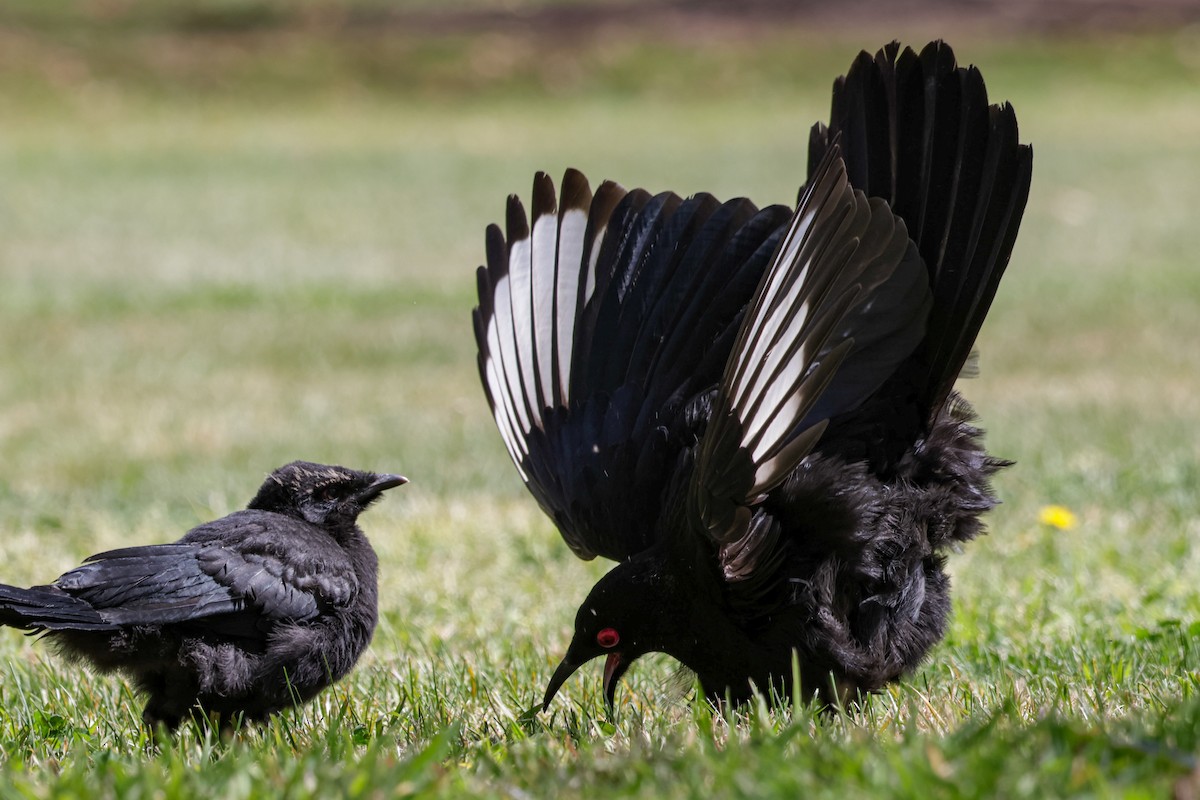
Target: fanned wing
(273,568)
(596,326)
(843,257)
(660,284)
(548,271)
(918,131)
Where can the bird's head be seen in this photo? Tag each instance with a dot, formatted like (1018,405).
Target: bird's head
(323,495)
(630,612)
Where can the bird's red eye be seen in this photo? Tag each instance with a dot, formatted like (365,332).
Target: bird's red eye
(608,638)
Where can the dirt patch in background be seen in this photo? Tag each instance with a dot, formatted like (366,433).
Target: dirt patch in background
(586,18)
(747,17)
(431,47)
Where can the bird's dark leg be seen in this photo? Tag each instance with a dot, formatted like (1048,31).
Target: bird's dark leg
(154,715)
(171,699)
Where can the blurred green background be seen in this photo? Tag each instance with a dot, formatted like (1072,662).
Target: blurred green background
(235,233)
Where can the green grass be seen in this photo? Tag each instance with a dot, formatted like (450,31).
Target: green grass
(201,280)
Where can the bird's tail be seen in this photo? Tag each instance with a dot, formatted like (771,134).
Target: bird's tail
(917,131)
(41,608)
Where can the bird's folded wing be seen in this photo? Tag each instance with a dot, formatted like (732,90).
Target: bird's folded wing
(596,326)
(844,267)
(157,584)
(259,571)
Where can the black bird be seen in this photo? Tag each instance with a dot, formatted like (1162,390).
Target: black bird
(246,615)
(752,411)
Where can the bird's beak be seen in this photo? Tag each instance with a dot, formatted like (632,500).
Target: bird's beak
(615,666)
(566,669)
(381,484)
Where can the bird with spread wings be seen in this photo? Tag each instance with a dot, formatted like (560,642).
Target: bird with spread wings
(753,410)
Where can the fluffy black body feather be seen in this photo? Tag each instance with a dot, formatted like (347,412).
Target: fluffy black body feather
(246,615)
(753,410)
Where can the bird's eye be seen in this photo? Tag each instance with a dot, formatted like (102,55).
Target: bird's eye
(608,638)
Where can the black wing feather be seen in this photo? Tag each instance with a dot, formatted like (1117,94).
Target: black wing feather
(952,169)
(237,565)
(791,343)
(156,584)
(719,270)
(597,457)
(917,132)
(640,273)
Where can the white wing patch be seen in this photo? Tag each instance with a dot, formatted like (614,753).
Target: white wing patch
(571,228)
(543,295)
(504,371)
(529,328)
(775,372)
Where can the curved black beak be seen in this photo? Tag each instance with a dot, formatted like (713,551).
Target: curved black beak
(614,667)
(566,669)
(380,485)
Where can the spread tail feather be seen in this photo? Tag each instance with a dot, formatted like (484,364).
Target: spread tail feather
(917,131)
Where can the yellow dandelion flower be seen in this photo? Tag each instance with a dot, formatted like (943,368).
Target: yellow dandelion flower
(1059,517)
